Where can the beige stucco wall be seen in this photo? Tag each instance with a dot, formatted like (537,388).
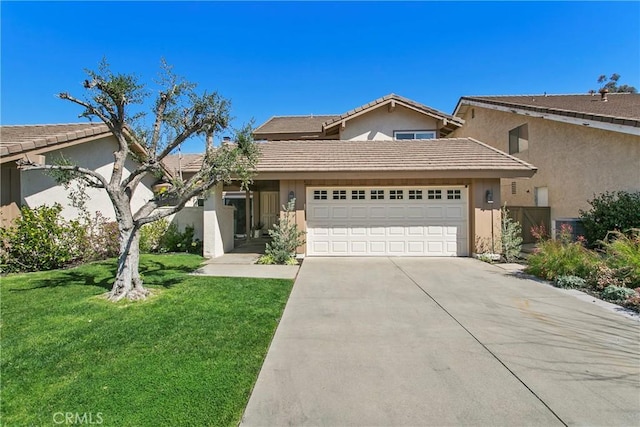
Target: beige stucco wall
(479,210)
(380,124)
(37,188)
(574,162)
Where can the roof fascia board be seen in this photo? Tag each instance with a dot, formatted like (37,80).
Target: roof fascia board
(382,104)
(381,174)
(555,117)
(53,147)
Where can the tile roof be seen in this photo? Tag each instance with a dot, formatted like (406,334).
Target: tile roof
(446,154)
(187,162)
(407,155)
(388,98)
(620,108)
(294,124)
(19,139)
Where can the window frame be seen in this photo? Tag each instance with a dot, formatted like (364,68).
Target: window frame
(415,133)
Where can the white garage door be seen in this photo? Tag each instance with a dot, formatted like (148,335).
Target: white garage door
(387,221)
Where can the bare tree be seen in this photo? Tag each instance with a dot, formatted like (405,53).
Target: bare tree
(179,113)
(611,84)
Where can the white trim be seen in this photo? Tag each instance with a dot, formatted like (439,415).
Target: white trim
(556,117)
(414,132)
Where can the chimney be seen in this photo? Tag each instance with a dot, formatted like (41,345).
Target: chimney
(226,140)
(603,94)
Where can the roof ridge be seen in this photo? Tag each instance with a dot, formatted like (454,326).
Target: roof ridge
(547,95)
(55,124)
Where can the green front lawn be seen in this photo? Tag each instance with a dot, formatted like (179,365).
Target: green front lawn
(188,355)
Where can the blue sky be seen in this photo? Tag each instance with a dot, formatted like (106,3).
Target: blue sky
(315,57)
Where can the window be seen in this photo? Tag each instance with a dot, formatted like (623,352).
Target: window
(319,194)
(541,196)
(339,194)
(377,194)
(414,134)
(519,139)
(434,194)
(415,194)
(357,194)
(396,194)
(453,194)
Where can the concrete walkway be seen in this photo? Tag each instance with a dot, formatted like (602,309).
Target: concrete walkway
(407,341)
(241,262)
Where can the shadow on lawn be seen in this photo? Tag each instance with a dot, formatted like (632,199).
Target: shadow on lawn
(102,274)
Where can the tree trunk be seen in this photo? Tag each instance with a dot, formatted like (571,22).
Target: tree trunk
(128,283)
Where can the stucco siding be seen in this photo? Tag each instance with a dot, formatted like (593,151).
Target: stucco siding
(574,162)
(38,188)
(379,124)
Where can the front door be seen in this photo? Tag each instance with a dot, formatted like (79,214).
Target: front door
(269,210)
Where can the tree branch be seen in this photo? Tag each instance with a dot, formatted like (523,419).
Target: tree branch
(101,181)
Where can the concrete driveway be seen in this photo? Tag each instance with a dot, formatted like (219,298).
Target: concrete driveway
(408,341)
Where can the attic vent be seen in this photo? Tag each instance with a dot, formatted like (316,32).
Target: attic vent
(513,187)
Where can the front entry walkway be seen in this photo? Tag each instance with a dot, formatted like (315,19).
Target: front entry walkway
(241,262)
(433,341)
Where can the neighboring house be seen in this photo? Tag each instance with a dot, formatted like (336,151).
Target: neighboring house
(582,145)
(85,144)
(383,179)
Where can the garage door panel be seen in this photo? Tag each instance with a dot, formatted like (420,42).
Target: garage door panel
(379,212)
(359,212)
(435,212)
(339,212)
(379,227)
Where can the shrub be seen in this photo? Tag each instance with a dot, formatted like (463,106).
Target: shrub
(40,239)
(603,276)
(611,211)
(101,238)
(570,282)
(623,255)
(555,258)
(151,235)
(285,237)
(617,293)
(175,241)
(510,237)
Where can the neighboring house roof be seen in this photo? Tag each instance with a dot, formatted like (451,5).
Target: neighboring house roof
(183,162)
(293,124)
(450,123)
(620,110)
(18,141)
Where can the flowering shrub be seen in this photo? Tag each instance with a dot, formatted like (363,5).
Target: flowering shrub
(559,257)
(623,255)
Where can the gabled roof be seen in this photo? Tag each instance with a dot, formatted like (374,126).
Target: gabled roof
(16,141)
(183,162)
(446,154)
(293,124)
(621,109)
(450,123)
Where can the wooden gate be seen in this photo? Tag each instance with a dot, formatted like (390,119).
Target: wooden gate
(529,216)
